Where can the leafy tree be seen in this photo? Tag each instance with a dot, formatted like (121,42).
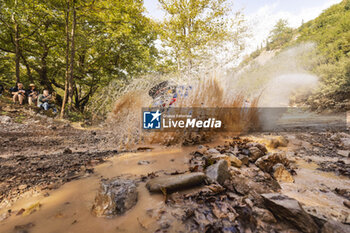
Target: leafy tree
(113,39)
(280,34)
(193,29)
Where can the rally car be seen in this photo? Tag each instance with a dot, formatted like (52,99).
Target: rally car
(165,94)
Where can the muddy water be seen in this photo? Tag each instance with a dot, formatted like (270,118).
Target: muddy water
(314,190)
(68,208)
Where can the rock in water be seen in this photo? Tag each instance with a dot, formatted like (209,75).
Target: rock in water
(115,197)
(267,162)
(218,171)
(281,174)
(176,182)
(278,141)
(290,210)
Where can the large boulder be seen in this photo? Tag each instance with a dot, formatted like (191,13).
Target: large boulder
(281,174)
(289,210)
(218,172)
(267,162)
(115,197)
(176,182)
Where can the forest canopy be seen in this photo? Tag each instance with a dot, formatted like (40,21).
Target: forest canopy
(77,47)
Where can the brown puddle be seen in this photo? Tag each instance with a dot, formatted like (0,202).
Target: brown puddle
(314,190)
(67,209)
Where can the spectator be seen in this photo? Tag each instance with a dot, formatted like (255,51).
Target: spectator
(1,89)
(45,101)
(18,93)
(32,94)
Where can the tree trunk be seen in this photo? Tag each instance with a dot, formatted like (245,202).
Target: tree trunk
(17,49)
(44,81)
(29,72)
(67,63)
(72,54)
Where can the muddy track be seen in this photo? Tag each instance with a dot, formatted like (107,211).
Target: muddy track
(40,153)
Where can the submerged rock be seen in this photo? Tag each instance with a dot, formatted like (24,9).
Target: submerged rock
(176,182)
(290,210)
(115,197)
(281,174)
(218,172)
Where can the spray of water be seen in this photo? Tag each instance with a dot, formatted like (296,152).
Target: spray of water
(265,85)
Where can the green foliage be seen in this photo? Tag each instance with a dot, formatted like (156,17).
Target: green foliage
(114,40)
(280,35)
(331,32)
(329,60)
(195,28)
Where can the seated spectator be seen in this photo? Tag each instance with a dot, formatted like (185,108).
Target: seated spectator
(45,101)
(1,89)
(32,94)
(18,93)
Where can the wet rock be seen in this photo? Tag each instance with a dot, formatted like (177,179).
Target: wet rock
(24,228)
(281,174)
(264,214)
(244,159)
(4,216)
(31,209)
(345,142)
(200,151)
(143,162)
(346,203)
(231,159)
(289,210)
(335,227)
(258,145)
(236,162)
(255,153)
(175,182)
(277,142)
(213,151)
(267,162)
(218,172)
(22,187)
(67,151)
(115,197)
(344,153)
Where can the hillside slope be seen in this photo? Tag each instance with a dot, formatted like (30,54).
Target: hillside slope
(329,59)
